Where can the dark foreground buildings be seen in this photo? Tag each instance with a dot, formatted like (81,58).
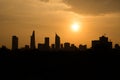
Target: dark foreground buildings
(58,65)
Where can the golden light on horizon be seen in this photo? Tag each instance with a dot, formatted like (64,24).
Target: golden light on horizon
(75,27)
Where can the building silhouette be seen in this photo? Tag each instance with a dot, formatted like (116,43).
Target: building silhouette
(41,46)
(67,45)
(57,42)
(14,42)
(61,46)
(117,46)
(82,47)
(52,46)
(102,43)
(26,46)
(32,41)
(73,46)
(47,42)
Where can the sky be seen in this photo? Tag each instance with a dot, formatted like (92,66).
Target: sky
(47,17)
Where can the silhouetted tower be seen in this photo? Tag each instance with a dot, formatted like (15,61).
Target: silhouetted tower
(47,42)
(14,42)
(32,41)
(57,41)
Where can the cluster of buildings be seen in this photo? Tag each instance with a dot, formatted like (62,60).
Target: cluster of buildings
(46,44)
(102,43)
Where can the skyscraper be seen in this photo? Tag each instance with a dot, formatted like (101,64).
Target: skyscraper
(47,42)
(14,42)
(57,41)
(32,41)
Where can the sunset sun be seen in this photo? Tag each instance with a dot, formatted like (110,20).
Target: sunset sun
(75,27)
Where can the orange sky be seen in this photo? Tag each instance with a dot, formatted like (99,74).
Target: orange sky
(47,17)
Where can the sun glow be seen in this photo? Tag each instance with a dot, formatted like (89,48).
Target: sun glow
(75,27)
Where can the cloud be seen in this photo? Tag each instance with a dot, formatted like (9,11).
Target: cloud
(94,7)
(15,11)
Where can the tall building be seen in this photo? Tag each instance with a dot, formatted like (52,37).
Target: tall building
(14,42)
(47,43)
(102,43)
(57,41)
(32,41)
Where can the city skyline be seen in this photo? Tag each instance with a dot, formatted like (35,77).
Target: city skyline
(76,21)
(102,42)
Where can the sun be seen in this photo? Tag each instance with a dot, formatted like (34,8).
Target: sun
(75,27)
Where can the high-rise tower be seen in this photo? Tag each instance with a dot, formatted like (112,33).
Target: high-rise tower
(57,41)
(14,42)
(32,41)
(47,43)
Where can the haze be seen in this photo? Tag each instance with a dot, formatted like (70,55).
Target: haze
(47,17)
